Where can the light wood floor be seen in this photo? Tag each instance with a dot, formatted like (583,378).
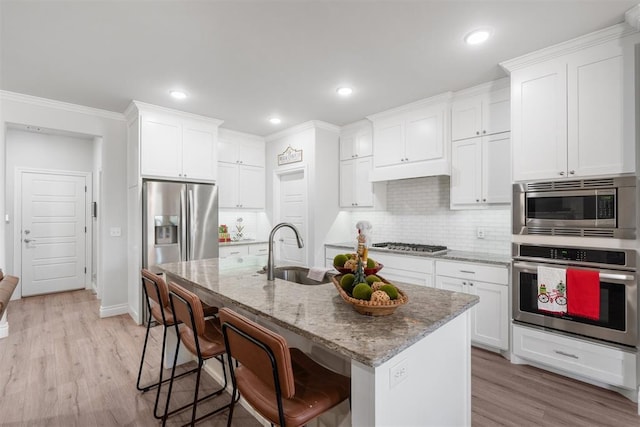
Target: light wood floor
(62,366)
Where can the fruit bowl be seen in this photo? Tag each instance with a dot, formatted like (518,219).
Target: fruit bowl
(371,308)
(367,271)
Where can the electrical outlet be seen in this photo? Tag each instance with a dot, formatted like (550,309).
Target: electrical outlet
(115,232)
(480,233)
(398,373)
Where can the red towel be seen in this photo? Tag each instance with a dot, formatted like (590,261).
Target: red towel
(583,293)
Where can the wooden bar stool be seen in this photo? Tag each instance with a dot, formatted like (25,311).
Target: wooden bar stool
(202,337)
(156,293)
(283,384)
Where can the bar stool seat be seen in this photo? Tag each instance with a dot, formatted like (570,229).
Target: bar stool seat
(284,385)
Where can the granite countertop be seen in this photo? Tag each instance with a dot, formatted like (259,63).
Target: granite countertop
(318,313)
(243,242)
(450,255)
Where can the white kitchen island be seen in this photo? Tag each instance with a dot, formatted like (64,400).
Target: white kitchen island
(412,368)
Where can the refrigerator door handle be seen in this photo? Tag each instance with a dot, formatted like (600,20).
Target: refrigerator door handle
(184,256)
(191,241)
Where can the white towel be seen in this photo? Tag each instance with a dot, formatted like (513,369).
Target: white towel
(552,289)
(317,273)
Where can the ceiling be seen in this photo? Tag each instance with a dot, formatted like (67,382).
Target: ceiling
(246,61)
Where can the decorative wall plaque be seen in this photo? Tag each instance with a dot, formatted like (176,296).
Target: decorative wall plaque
(289,156)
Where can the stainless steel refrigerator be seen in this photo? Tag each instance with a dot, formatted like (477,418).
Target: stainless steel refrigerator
(179,223)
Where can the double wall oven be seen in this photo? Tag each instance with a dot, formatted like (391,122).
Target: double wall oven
(600,212)
(617,320)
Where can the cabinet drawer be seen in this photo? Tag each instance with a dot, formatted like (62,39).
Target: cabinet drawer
(598,362)
(485,273)
(402,262)
(260,249)
(233,251)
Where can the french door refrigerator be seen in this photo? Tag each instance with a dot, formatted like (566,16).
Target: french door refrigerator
(179,223)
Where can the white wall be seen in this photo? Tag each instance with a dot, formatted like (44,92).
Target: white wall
(34,150)
(27,110)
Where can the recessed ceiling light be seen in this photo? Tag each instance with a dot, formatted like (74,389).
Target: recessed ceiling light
(344,91)
(178,94)
(478,36)
(275,121)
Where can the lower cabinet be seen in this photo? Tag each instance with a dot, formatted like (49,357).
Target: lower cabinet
(240,250)
(490,317)
(397,268)
(599,362)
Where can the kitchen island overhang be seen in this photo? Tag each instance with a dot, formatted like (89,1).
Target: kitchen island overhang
(410,368)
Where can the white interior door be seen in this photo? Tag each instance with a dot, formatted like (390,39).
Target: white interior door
(53,232)
(293,202)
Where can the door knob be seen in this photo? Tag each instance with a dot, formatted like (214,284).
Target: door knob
(29,240)
(27,231)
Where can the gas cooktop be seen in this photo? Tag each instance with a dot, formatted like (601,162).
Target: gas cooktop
(411,247)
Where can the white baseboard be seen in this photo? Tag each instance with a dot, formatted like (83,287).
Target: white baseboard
(114,310)
(4,329)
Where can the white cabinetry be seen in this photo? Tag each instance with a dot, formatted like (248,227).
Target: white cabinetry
(411,141)
(481,171)
(490,317)
(356,190)
(241,170)
(573,115)
(600,362)
(242,250)
(356,141)
(479,115)
(176,145)
(356,163)
(397,268)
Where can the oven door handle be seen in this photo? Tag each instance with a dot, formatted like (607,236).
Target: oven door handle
(608,275)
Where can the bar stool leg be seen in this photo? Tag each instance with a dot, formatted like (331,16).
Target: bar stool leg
(144,351)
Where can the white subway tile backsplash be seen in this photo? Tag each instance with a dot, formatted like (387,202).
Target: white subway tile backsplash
(418,211)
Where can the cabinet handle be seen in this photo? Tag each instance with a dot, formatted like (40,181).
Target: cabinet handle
(477,200)
(477,132)
(179,174)
(234,253)
(470,283)
(467,271)
(355,155)
(562,173)
(484,131)
(562,353)
(572,172)
(464,283)
(484,200)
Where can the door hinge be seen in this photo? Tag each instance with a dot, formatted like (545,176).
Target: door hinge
(85,228)
(85,188)
(85,270)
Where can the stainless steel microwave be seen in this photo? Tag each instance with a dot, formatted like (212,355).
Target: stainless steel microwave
(600,207)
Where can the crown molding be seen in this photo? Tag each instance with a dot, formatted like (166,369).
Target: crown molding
(311,124)
(483,88)
(427,102)
(614,32)
(230,133)
(632,17)
(143,106)
(60,105)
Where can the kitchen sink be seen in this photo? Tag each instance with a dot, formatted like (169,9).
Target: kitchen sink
(297,274)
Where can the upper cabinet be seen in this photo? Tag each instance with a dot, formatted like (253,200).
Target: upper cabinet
(481,146)
(480,115)
(356,165)
(573,108)
(412,141)
(173,144)
(241,169)
(357,142)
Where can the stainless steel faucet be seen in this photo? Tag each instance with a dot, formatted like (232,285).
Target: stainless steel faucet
(270,261)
